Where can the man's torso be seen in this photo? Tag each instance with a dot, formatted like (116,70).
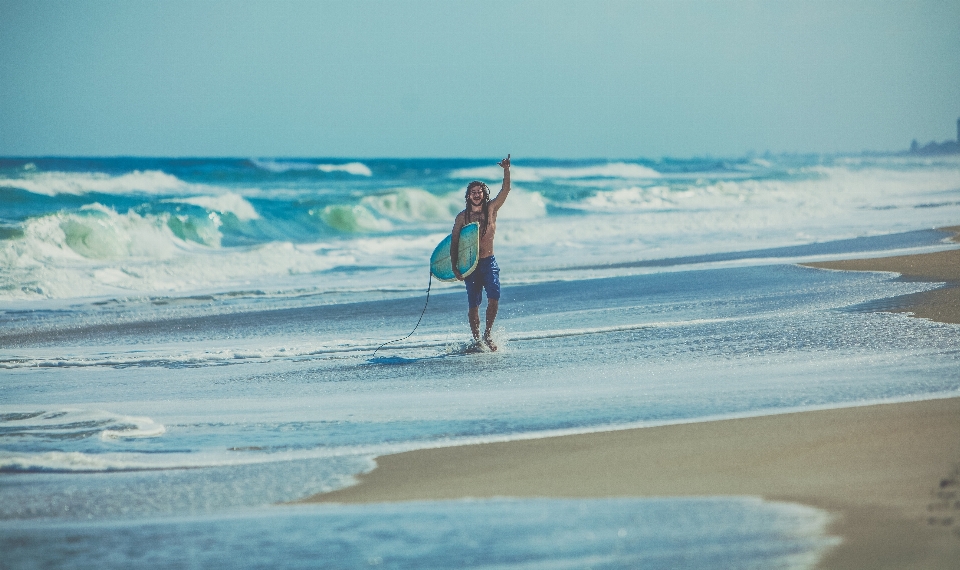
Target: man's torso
(486,234)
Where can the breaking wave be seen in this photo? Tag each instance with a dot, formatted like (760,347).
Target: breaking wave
(622,170)
(415,205)
(228,203)
(355,168)
(98,232)
(812,191)
(97,251)
(352,219)
(412,206)
(78,183)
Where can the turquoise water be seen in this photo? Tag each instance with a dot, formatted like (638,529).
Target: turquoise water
(185,344)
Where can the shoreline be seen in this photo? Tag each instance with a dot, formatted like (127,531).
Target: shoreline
(888,473)
(942,304)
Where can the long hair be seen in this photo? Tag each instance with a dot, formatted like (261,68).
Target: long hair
(484,205)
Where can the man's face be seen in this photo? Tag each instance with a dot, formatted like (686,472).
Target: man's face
(476,195)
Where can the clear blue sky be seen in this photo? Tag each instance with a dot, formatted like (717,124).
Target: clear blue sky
(471,79)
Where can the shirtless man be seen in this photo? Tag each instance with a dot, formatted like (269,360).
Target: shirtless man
(479,208)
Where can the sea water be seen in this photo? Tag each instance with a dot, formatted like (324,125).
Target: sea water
(186,344)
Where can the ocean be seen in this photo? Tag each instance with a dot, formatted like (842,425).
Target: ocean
(187,344)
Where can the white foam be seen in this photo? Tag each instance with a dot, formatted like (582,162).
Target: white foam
(522,205)
(78,183)
(415,205)
(622,170)
(95,232)
(355,168)
(67,461)
(80,462)
(282,166)
(145,428)
(227,203)
(410,247)
(810,189)
(151,355)
(639,222)
(76,422)
(634,199)
(411,205)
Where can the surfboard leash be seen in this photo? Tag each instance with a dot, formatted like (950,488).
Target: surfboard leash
(429,284)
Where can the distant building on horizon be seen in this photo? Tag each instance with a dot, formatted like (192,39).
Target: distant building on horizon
(934,148)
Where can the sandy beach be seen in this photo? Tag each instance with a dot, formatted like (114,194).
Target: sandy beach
(889,473)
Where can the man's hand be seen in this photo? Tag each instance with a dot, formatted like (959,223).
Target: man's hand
(457,274)
(505,163)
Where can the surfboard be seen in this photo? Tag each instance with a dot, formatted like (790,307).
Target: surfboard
(467,258)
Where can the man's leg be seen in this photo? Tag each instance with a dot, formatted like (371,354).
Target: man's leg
(492,306)
(492,287)
(473,315)
(474,298)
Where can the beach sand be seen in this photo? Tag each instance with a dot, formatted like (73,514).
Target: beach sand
(889,473)
(940,304)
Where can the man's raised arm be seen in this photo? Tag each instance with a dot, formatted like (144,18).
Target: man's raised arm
(505,189)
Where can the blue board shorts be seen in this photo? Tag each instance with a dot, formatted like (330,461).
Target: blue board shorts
(485,276)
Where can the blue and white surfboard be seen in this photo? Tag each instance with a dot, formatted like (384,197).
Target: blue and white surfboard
(469,254)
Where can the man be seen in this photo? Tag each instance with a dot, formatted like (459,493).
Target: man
(479,208)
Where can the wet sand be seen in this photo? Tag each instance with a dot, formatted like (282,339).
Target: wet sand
(890,473)
(940,304)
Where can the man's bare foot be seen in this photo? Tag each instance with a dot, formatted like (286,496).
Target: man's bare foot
(489,342)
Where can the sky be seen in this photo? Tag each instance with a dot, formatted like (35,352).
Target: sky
(403,78)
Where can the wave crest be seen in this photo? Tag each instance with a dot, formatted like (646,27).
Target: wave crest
(279,166)
(415,205)
(98,232)
(78,183)
(622,170)
(96,251)
(351,219)
(228,203)
(355,168)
